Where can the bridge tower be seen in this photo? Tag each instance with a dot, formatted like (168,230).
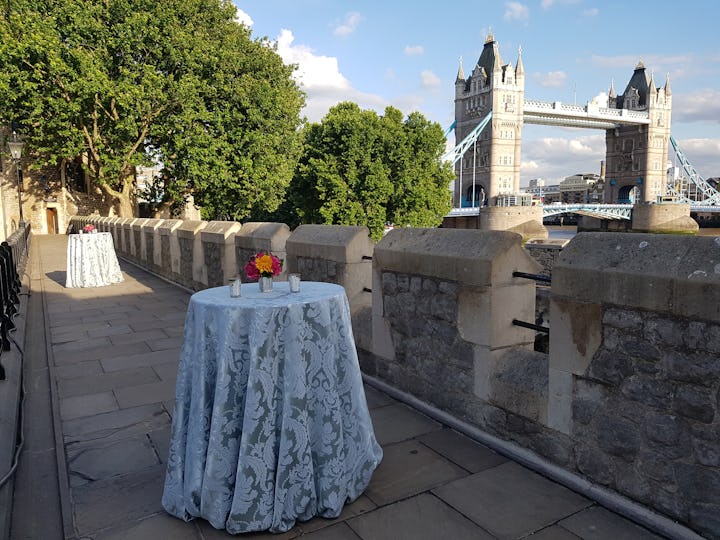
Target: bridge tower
(492,167)
(637,155)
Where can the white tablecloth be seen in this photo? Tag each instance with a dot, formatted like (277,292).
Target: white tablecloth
(91,261)
(270,423)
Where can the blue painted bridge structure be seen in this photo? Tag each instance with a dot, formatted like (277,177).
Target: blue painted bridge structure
(600,211)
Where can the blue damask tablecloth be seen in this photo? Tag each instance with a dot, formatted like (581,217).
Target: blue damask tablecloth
(270,424)
(91,261)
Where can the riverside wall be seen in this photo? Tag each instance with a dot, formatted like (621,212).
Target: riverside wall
(628,396)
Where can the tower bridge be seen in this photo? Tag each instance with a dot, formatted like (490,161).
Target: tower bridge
(491,110)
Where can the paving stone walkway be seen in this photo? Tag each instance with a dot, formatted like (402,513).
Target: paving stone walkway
(101,366)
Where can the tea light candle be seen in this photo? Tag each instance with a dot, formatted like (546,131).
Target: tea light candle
(294,280)
(235,288)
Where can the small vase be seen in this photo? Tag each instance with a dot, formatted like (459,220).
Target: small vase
(266,284)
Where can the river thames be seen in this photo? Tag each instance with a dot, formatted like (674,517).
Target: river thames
(568,231)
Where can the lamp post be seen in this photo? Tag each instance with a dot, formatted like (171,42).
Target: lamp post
(16,147)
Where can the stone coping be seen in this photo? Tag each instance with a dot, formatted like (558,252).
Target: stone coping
(470,256)
(138,224)
(151,224)
(217,232)
(189,228)
(340,243)
(168,226)
(673,274)
(267,236)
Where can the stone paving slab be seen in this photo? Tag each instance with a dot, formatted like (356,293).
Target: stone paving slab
(144,394)
(146,358)
(424,516)
(73,347)
(98,353)
(398,422)
(122,422)
(409,468)
(461,450)
(337,532)
(167,371)
(118,501)
(135,337)
(555,533)
(597,523)
(158,527)
(511,501)
(87,405)
(106,381)
(106,459)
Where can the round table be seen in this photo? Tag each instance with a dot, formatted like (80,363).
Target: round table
(91,261)
(270,423)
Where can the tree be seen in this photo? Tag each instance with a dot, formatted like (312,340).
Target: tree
(359,168)
(125,82)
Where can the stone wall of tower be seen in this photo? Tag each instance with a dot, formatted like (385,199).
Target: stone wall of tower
(637,155)
(506,133)
(493,163)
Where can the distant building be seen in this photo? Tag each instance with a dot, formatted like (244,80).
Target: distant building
(576,189)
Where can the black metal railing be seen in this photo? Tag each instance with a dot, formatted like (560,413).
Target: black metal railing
(13,257)
(532,326)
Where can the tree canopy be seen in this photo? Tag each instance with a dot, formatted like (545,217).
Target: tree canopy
(126,82)
(360,168)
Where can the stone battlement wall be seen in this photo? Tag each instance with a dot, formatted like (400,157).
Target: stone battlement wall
(629,394)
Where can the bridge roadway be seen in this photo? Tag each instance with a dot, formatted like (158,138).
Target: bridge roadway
(601,211)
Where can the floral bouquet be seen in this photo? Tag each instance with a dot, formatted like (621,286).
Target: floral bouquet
(89,228)
(263,265)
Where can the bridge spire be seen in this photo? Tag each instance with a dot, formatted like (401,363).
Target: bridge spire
(519,68)
(460,73)
(668,92)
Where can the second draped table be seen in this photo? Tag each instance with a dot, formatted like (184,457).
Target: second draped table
(270,423)
(91,261)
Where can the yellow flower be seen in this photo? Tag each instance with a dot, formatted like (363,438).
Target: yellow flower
(264,264)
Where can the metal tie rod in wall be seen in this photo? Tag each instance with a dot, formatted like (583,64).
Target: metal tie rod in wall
(531,326)
(536,277)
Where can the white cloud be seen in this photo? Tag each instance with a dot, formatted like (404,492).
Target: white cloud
(313,70)
(555,158)
(699,106)
(349,25)
(516,11)
(551,79)
(243,18)
(429,80)
(321,79)
(630,61)
(704,154)
(547,4)
(414,50)
(592,12)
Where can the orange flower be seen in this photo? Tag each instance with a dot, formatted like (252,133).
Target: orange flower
(264,264)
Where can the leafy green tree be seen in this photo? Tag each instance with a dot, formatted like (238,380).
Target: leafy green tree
(360,168)
(125,82)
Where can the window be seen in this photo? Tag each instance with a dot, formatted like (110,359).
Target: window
(75,176)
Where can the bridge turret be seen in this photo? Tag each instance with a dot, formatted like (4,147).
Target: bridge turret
(668,92)
(519,68)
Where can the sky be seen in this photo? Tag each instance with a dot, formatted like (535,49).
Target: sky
(406,55)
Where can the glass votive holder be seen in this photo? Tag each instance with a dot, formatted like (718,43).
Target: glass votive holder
(294,281)
(235,288)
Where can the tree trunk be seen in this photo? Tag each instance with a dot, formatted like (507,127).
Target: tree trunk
(122,200)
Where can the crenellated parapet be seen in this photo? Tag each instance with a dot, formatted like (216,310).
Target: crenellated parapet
(627,400)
